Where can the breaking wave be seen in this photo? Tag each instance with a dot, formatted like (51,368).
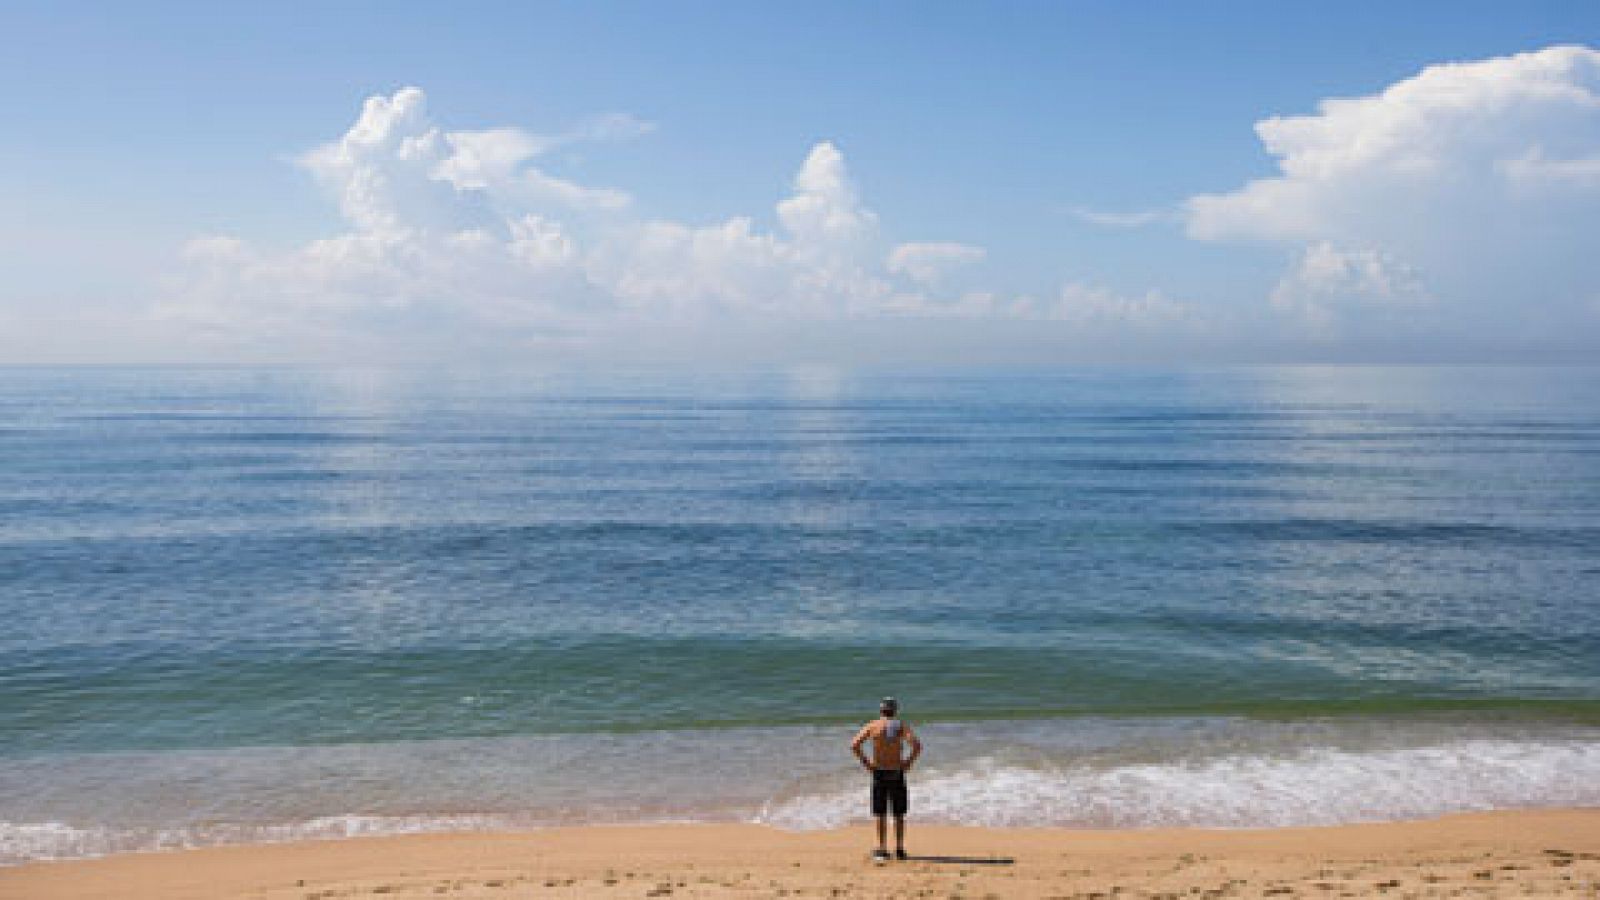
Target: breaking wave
(1315,786)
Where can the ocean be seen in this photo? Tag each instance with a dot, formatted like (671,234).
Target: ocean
(258,604)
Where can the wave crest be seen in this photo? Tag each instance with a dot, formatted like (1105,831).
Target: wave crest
(1316,786)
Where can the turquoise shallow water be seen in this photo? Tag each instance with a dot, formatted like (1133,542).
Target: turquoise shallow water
(317,587)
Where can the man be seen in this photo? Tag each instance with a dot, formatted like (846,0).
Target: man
(888,766)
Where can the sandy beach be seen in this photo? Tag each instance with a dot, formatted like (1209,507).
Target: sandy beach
(1503,854)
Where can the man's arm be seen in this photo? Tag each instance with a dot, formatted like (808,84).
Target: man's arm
(855,745)
(916,747)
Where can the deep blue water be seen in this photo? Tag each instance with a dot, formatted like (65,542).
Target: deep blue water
(244,571)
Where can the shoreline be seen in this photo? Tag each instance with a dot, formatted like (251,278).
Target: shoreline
(1545,853)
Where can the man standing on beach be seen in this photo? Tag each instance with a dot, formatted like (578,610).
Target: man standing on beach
(888,766)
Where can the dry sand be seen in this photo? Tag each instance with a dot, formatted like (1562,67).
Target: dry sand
(1507,854)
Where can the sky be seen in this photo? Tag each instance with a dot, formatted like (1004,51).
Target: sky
(714,183)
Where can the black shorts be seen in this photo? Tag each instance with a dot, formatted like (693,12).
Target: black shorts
(889,792)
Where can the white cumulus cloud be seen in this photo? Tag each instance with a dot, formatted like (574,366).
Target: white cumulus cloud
(1475,182)
(465,225)
(1327,282)
(928,262)
(1100,307)
(825,210)
(466,229)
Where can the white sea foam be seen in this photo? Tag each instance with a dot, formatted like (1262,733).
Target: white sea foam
(1315,786)
(22,842)
(1079,774)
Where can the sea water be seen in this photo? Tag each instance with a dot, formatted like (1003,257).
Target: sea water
(266,604)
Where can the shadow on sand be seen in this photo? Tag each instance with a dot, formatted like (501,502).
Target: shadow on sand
(964,860)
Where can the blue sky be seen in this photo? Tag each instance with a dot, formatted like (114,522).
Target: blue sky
(1005,141)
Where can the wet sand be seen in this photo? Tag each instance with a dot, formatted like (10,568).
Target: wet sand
(1506,854)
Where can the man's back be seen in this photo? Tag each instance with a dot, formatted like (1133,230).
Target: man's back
(889,738)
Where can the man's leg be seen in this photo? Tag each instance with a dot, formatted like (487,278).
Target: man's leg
(880,809)
(900,801)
